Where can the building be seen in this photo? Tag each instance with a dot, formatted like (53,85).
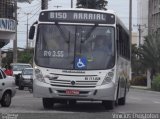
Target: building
(154,16)
(7,23)
(135,38)
(142,19)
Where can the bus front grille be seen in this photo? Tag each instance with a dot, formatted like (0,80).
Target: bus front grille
(70,83)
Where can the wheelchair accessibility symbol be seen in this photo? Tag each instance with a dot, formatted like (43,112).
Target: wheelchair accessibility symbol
(80,63)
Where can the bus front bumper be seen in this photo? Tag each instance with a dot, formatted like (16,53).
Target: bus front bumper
(103,92)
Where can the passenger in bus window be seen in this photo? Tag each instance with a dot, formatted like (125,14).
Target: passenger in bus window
(100,51)
(102,44)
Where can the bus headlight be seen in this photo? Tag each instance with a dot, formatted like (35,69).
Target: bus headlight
(39,75)
(110,74)
(106,80)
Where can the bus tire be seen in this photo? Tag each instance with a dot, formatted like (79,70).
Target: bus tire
(117,96)
(47,103)
(122,101)
(108,104)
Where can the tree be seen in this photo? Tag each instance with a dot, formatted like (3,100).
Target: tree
(150,52)
(135,62)
(8,59)
(26,56)
(150,56)
(92,4)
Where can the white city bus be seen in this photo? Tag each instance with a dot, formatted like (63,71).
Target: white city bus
(80,54)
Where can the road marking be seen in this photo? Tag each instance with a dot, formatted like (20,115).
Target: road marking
(135,98)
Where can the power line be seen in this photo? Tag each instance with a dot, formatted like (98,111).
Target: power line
(57,6)
(32,5)
(31,16)
(30,11)
(34,14)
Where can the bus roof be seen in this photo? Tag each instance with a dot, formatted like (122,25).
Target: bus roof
(78,15)
(109,11)
(82,9)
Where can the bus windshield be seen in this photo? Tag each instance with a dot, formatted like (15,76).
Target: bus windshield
(58,46)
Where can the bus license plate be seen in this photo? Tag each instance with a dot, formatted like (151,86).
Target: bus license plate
(72,92)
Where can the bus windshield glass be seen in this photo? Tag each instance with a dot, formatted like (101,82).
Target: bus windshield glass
(89,47)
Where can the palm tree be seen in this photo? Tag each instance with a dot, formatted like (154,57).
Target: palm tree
(135,60)
(92,4)
(150,52)
(150,56)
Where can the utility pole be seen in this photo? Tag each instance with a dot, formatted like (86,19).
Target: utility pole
(130,33)
(140,31)
(71,3)
(44,4)
(130,21)
(27,42)
(15,40)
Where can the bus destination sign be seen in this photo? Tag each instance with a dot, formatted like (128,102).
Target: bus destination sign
(77,17)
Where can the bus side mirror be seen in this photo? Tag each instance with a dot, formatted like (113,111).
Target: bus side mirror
(31,32)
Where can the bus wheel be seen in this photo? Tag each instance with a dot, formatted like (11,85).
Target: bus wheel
(108,104)
(122,101)
(117,96)
(47,103)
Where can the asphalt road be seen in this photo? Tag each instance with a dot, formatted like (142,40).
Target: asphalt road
(27,107)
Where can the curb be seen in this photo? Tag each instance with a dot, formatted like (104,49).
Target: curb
(144,88)
(140,87)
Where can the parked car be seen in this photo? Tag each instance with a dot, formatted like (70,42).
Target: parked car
(26,78)
(7,89)
(17,70)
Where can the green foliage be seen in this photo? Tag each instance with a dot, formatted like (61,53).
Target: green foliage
(92,4)
(8,59)
(139,81)
(156,83)
(136,63)
(25,56)
(150,52)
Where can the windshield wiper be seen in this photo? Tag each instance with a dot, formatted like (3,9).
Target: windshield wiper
(89,33)
(63,35)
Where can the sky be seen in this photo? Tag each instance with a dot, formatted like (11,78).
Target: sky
(121,7)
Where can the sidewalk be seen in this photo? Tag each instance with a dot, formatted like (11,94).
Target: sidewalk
(144,88)
(140,87)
